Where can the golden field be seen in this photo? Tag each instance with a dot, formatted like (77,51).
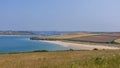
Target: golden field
(62,59)
(68,36)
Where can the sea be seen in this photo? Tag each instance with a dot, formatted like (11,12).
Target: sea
(13,44)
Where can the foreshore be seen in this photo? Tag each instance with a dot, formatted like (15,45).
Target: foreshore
(79,46)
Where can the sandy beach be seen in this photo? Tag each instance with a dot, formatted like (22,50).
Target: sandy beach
(80,46)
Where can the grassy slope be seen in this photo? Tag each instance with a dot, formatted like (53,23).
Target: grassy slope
(63,59)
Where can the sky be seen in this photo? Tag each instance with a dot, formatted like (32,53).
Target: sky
(60,15)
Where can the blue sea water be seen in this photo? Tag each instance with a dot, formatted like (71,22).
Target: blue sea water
(10,44)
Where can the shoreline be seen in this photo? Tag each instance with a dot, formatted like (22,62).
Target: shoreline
(79,46)
(18,35)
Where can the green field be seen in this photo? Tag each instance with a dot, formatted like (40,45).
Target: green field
(62,59)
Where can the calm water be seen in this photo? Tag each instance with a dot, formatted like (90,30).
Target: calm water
(23,44)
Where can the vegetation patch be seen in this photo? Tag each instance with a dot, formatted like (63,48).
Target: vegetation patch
(40,51)
(117,41)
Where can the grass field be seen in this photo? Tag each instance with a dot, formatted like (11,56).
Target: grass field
(62,59)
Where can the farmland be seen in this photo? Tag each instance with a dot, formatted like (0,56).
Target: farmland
(96,38)
(64,36)
(84,37)
(62,59)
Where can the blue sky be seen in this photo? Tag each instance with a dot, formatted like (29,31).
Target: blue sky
(60,15)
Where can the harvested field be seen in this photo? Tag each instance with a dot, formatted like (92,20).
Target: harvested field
(112,34)
(97,39)
(64,36)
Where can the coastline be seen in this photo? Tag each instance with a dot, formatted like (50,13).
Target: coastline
(79,46)
(18,35)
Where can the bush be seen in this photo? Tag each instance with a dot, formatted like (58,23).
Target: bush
(40,51)
(71,50)
(95,49)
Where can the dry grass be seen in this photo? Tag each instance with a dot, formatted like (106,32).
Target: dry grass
(68,36)
(63,59)
(117,41)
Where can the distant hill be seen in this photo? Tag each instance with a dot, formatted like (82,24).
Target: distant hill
(51,33)
(40,33)
(16,33)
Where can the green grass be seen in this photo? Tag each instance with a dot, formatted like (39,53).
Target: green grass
(62,59)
